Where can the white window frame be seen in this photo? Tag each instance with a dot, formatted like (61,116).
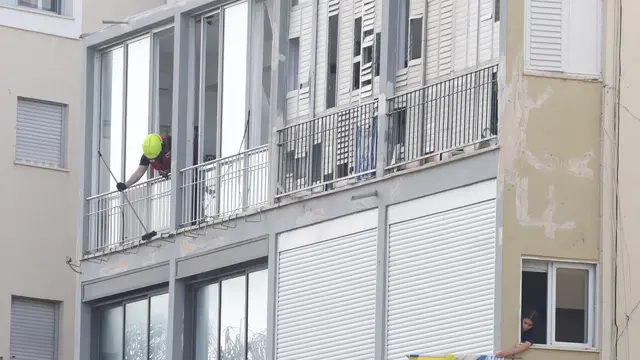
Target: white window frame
(550,267)
(416,61)
(291,75)
(67,24)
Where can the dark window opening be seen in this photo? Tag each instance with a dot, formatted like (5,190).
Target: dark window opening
(415,37)
(332,63)
(357,36)
(377,60)
(493,124)
(367,55)
(496,10)
(356,76)
(534,298)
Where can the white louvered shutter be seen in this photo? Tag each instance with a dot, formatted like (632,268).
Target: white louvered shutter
(441,283)
(544,35)
(33,329)
(40,133)
(326,299)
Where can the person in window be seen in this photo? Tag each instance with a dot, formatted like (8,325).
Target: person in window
(526,335)
(156,151)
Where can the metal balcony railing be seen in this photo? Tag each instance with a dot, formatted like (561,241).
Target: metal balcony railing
(317,154)
(442,117)
(224,186)
(112,221)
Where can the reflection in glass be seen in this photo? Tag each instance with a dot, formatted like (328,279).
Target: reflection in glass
(210,87)
(163,91)
(138,62)
(158,324)
(207,322)
(111,334)
(111,120)
(135,330)
(232,322)
(234,78)
(257,316)
(572,286)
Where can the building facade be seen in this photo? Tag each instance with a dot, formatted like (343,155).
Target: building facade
(399,168)
(40,106)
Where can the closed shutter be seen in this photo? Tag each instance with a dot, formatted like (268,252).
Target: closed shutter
(439,38)
(326,299)
(544,35)
(40,133)
(441,282)
(33,329)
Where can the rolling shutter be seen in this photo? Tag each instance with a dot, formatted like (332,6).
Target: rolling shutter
(544,35)
(441,282)
(326,299)
(33,329)
(40,133)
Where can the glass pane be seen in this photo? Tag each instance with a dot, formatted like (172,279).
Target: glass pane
(137,123)
(207,307)
(233,319)
(111,107)
(164,81)
(111,334)
(136,330)
(211,82)
(572,288)
(51,5)
(28,3)
(257,324)
(159,322)
(234,78)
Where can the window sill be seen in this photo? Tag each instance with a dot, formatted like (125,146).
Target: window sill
(41,21)
(565,348)
(292,93)
(562,75)
(44,167)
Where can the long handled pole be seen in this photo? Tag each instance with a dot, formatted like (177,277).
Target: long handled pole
(148,234)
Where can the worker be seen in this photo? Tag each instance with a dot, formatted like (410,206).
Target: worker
(526,335)
(156,151)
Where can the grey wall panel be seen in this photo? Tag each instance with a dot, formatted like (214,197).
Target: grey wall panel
(126,281)
(222,257)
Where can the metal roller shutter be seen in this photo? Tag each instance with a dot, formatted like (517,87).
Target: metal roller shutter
(326,299)
(441,282)
(40,133)
(33,329)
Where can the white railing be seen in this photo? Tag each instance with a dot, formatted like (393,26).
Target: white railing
(225,186)
(113,222)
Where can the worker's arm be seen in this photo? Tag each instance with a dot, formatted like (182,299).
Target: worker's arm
(137,175)
(514,351)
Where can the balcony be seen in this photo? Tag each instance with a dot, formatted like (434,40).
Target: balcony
(425,125)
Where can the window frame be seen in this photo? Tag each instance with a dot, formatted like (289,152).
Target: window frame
(293,68)
(100,307)
(550,267)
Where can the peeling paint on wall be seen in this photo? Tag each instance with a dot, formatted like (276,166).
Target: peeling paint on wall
(516,104)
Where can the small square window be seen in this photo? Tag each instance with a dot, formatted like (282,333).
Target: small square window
(560,299)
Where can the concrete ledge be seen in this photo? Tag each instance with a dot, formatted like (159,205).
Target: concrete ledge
(126,281)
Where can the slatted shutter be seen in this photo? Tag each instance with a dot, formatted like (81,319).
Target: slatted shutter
(441,276)
(326,296)
(40,133)
(544,35)
(33,329)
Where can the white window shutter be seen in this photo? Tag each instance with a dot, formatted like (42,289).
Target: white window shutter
(40,133)
(34,329)
(544,32)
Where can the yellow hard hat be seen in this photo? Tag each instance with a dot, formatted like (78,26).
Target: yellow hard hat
(152,146)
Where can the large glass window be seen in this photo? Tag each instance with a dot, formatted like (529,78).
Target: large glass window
(134,76)
(231,318)
(135,330)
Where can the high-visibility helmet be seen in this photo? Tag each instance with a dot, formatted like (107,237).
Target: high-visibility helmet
(152,146)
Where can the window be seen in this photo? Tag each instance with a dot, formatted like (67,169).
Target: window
(496,10)
(34,329)
(54,6)
(332,63)
(294,3)
(134,330)
(377,60)
(41,129)
(403,34)
(563,296)
(293,61)
(415,39)
(563,36)
(357,36)
(356,75)
(222,313)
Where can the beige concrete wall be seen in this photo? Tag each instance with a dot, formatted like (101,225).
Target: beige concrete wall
(549,175)
(38,205)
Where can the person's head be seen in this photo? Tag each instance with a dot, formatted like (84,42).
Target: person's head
(152,146)
(529,318)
